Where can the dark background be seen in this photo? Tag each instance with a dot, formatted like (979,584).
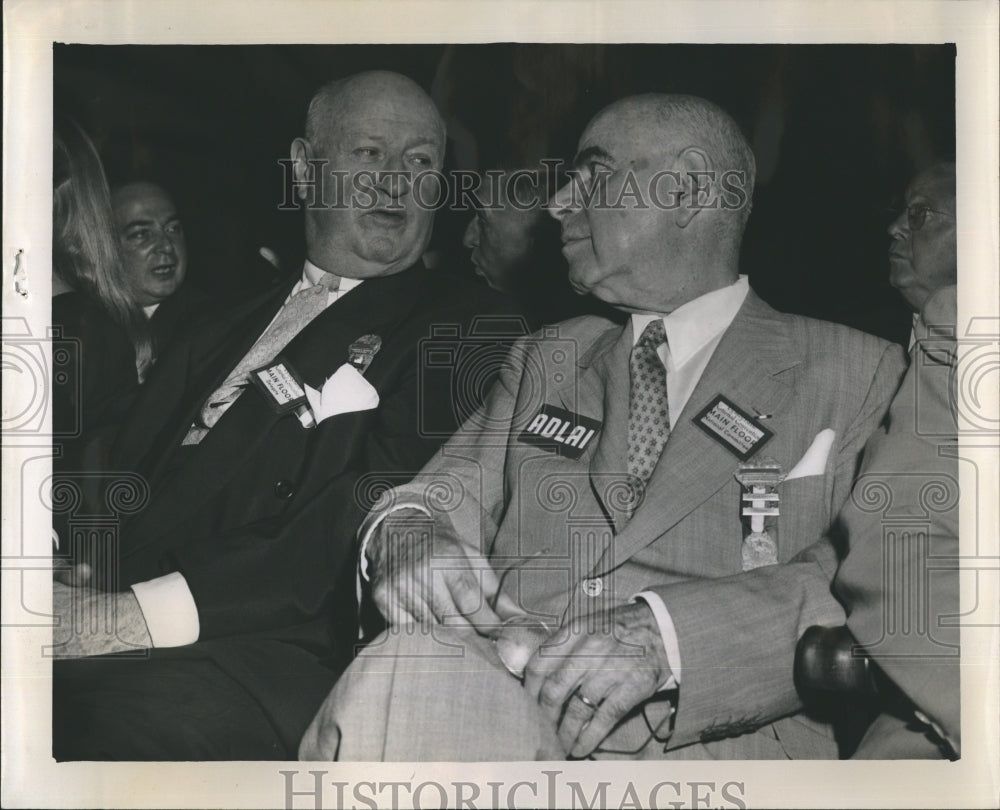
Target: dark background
(837,129)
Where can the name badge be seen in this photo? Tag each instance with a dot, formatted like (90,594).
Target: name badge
(559,431)
(280,384)
(733,428)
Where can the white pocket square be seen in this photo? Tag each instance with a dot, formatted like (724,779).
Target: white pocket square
(344,391)
(814,460)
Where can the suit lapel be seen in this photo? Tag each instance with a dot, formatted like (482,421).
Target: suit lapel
(316,352)
(195,368)
(744,368)
(607,380)
(373,308)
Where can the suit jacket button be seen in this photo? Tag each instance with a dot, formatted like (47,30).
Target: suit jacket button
(283,489)
(593,587)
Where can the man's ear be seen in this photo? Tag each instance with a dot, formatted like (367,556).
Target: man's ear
(698,182)
(301,151)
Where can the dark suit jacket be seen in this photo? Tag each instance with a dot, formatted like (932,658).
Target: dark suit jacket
(178,313)
(261,516)
(98,371)
(899,582)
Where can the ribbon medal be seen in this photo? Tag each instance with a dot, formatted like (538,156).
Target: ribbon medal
(760,481)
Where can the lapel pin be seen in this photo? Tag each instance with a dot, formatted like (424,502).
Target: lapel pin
(362,351)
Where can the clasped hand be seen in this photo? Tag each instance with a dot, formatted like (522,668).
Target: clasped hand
(615,660)
(94,622)
(594,670)
(432,581)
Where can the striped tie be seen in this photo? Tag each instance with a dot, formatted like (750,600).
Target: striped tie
(299,311)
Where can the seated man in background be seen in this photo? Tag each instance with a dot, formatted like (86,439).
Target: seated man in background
(899,581)
(590,519)
(262,439)
(154,253)
(515,247)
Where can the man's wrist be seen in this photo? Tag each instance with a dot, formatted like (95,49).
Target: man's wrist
(376,527)
(668,636)
(131,626)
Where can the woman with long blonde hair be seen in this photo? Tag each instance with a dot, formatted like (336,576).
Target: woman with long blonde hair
(91,302)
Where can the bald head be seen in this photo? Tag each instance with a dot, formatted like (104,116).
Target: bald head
(342,97)
(656,214)
(672,123)
(382,140)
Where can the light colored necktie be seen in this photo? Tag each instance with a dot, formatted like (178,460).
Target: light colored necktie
(297,312)
(649,408)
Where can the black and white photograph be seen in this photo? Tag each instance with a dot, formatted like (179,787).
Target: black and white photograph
(438,410)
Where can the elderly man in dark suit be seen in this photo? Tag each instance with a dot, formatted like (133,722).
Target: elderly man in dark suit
(591,520)
(262,437)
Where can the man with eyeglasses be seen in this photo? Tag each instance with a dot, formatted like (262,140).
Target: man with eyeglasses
(923,257)
(899,651)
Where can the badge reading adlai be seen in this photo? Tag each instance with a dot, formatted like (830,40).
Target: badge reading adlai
(559,431)
(280,385)
(733,428)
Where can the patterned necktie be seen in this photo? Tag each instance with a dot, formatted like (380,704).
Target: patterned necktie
(293,317)
(649,409)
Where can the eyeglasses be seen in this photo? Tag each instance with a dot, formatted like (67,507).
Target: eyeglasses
(916,215)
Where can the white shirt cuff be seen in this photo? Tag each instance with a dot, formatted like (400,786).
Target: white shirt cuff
(668,634)
(169,610)
(362,559)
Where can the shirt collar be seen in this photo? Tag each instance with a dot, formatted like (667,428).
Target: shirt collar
(311,275)
(151,309)
(696,323)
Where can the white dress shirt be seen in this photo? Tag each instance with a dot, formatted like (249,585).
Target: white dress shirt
(166,602)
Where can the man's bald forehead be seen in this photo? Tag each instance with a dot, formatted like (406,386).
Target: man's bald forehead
(936,181)
(663,123)
(363,91)
(674,112)
(138,190)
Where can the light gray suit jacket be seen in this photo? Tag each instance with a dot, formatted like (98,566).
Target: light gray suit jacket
(555,530)
(899,582)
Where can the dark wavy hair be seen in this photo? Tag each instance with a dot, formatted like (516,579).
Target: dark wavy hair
(85,251)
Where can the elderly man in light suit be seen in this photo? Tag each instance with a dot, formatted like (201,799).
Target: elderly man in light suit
(584,529)
(899,580)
